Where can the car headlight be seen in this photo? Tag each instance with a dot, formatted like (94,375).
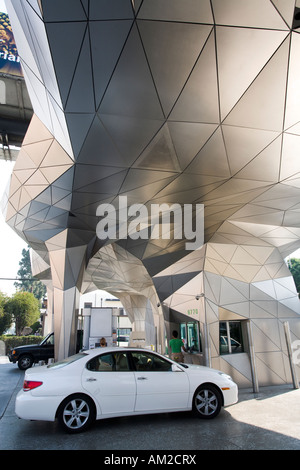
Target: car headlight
(226,376)
(13,352)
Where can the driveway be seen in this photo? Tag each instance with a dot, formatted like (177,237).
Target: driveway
(267,421)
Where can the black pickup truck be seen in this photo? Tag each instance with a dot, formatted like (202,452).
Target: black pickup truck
(27,355)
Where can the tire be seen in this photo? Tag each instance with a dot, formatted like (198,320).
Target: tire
(25,362)
(76,413)
(207,402)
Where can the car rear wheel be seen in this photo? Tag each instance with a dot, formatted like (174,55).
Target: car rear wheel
(207,402)
(25,362)
(76,413)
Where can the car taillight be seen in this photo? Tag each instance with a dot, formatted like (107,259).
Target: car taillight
(30,385)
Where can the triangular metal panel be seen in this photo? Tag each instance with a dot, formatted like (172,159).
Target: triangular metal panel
(174,10)
(198,101)
(66,41)
(82,88)
(254,14)
(180,45)
(266,95)
(107,41)
(131,91)
(107,10)
(69,10)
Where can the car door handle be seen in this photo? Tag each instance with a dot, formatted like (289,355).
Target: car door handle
(91,379)
(142,378)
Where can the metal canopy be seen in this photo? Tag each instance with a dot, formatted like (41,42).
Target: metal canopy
(162,101)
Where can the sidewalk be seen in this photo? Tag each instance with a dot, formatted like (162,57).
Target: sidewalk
(4,360)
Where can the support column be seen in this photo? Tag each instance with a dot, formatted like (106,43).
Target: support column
(67,267)
(49,318)
(290,353)
(140,313)
(66,307)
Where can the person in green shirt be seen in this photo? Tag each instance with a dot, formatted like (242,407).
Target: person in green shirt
(176,344)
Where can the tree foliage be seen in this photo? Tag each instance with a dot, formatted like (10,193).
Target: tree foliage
(5,316)
(294,267)
(24,309)
(25,274)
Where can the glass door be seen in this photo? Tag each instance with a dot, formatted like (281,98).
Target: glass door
(190,335)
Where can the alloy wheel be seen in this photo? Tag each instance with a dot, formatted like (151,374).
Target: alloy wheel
(76,414)
(207,402)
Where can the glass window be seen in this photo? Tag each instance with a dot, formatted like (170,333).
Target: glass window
(48,340)
(146,362)
(111,362)
(231,340)
(123,335)
(68,360)
(189,333)
(193,337)
(183,332)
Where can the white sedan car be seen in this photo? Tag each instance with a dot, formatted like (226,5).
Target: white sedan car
(110,382)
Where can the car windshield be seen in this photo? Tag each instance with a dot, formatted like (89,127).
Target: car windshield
(48,340)
(66,361)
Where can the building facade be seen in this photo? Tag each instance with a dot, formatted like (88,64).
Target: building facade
(186,103)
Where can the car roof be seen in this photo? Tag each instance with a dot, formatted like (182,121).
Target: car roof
(108,349)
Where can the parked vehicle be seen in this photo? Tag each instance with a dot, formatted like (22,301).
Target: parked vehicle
(110,382)
(29,354)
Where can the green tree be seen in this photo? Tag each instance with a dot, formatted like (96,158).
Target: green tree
(25,274)
(24,308)
(5,317)
(294,267)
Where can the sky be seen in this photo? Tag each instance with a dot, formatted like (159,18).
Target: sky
(11,245)
(3,8)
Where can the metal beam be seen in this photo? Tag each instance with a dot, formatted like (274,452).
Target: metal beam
(15,115)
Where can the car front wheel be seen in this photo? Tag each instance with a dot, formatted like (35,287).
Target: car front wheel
(76,413)
(25,362)
(207,402)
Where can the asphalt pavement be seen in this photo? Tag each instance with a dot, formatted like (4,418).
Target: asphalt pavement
(268,420)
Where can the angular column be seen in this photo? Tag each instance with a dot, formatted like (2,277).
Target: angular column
(49,317)
(41,270)
(67,267)
(140,313)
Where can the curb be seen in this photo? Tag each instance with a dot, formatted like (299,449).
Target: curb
(4,360)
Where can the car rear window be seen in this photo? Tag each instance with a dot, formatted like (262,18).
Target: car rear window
(66,361)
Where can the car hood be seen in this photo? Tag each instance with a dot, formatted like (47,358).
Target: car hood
(194,366)
(26,346)
(198,368)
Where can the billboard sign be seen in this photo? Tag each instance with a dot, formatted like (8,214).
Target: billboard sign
(9,57)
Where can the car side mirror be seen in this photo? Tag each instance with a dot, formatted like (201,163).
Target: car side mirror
(176,368)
